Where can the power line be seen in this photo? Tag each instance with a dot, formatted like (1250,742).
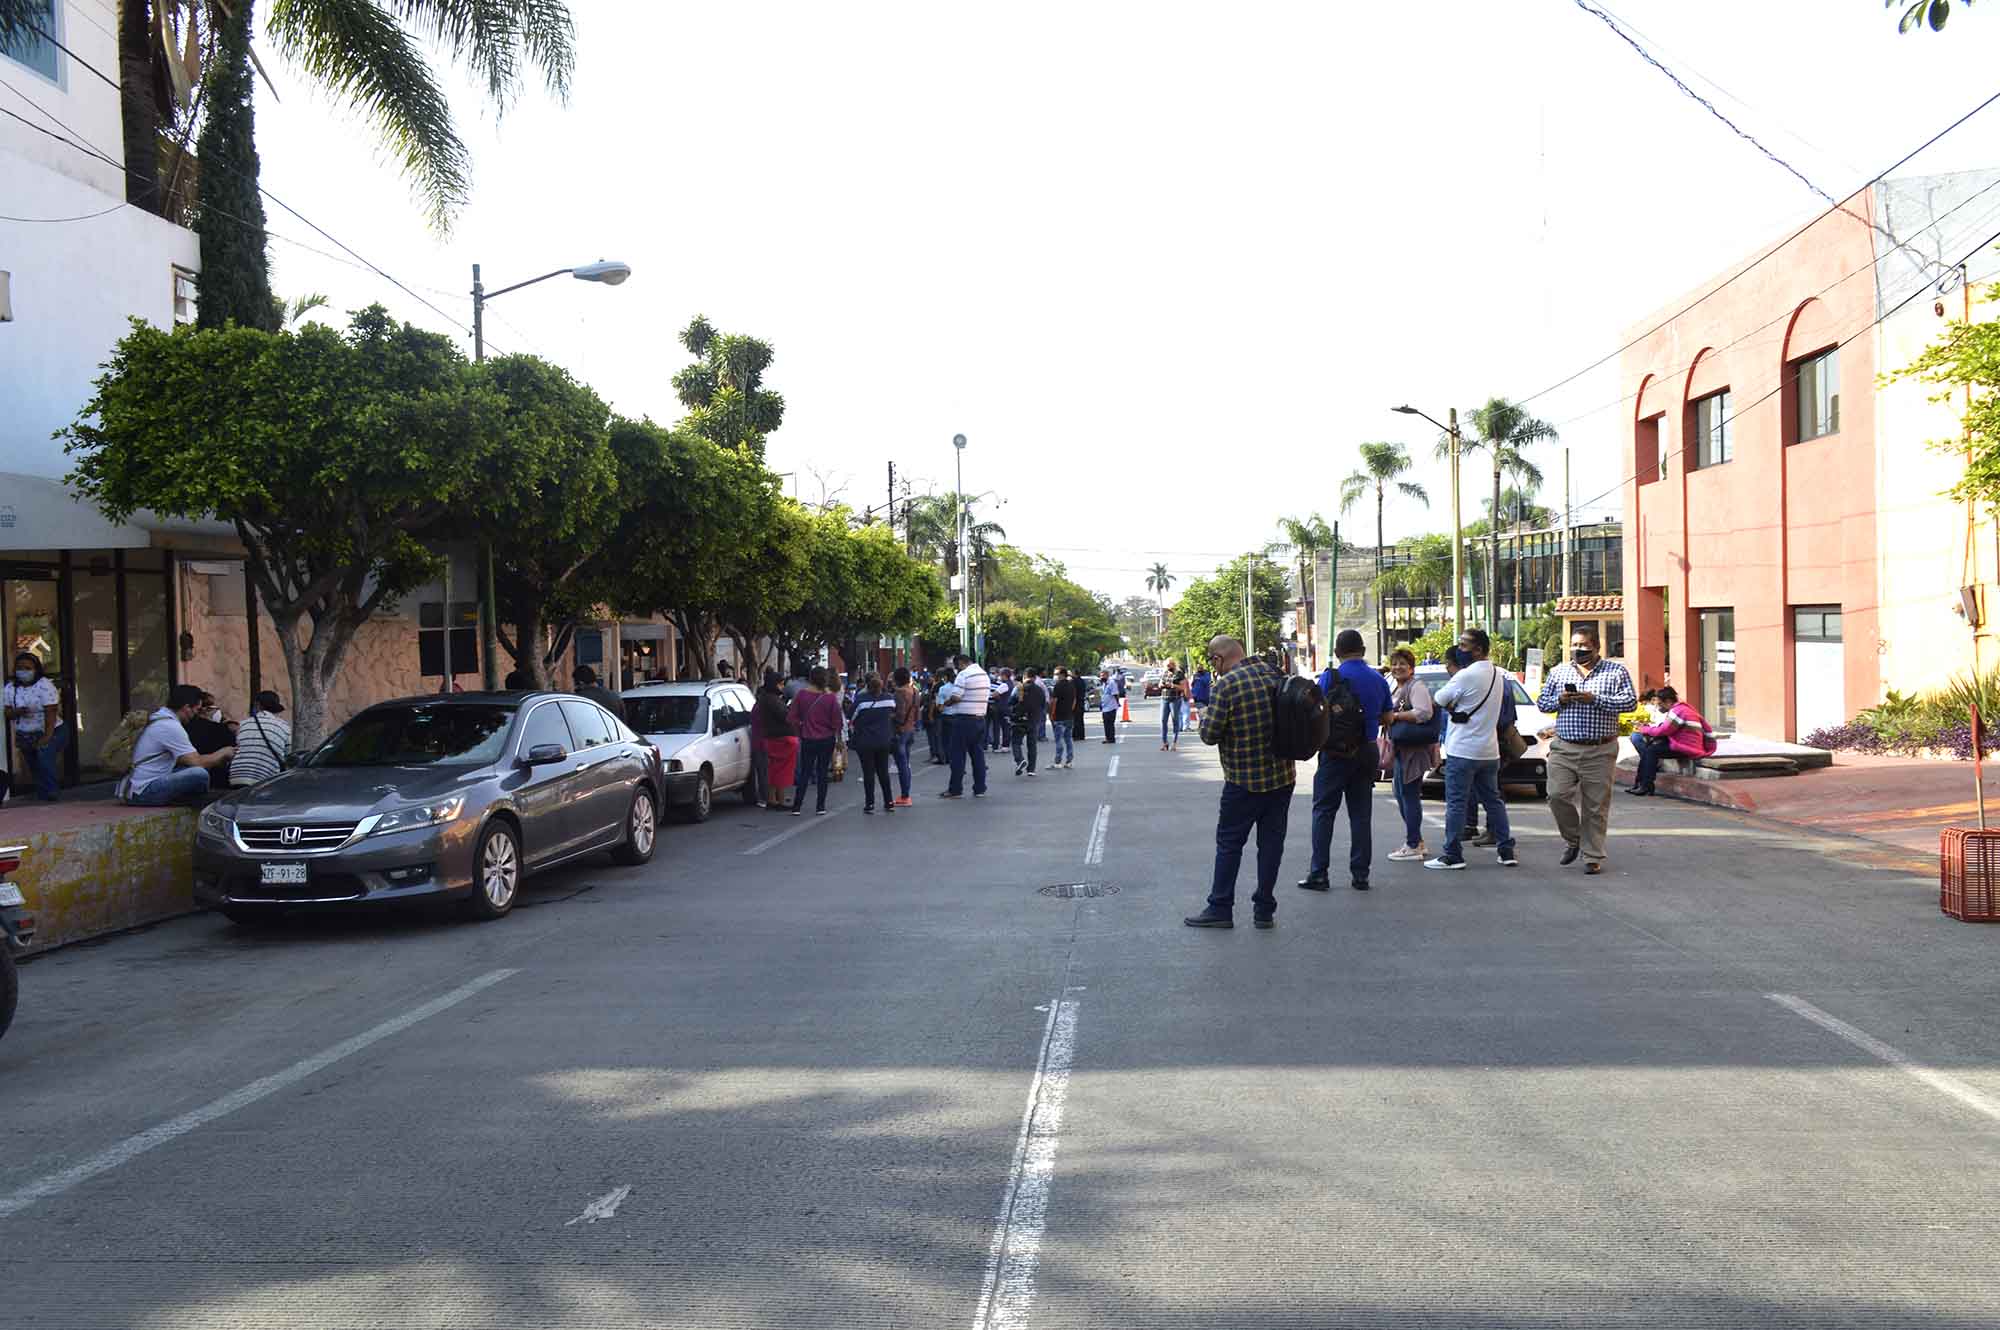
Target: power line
(1792,375)
(1761,259)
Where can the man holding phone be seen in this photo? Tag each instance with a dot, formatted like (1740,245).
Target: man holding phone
(1587,694)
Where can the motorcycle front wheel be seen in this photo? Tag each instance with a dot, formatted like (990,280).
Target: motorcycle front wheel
(10,987)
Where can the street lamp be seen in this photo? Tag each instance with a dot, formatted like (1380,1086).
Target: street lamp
(964,569)
(608,272)
(1457,572)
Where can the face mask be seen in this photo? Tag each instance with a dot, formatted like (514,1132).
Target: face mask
(216,715)
(24,676)
(1583,655)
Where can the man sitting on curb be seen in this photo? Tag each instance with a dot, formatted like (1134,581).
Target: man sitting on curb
(165,767)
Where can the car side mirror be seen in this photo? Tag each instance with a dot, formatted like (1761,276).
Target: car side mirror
(542,754)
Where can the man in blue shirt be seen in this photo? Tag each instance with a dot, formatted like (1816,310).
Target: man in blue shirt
(1348,777)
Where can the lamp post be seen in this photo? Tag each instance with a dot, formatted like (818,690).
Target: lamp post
(964,570)
(1457,538)
(609,272)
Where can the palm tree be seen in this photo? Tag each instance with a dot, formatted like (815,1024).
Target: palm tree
(1158,579)
(934,531)
(1504,430)
(371,55)
(1382,464)
(1425,570)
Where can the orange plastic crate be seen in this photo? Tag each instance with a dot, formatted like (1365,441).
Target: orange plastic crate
(1969,874)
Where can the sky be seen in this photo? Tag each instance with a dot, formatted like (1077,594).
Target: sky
(1166,266)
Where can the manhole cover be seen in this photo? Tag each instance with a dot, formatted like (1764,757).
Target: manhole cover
(1069,890)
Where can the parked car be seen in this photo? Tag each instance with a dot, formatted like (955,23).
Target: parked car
(1530,768)
(453,798)
(702,733)
(1154,681)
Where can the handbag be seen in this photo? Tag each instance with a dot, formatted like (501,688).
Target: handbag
(1417,733)
(1512,745)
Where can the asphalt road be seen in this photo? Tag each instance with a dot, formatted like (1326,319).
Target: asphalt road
(1748,1078)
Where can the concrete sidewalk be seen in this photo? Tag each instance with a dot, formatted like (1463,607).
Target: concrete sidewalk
(1900,801)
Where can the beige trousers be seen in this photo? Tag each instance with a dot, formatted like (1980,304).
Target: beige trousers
(1580,780)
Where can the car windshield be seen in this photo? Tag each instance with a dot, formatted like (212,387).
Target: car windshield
(672,713)
(428,735)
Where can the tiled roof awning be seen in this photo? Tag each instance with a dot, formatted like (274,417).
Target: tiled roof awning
(1576,605)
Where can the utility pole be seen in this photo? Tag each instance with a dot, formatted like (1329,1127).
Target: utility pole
(1249,610)
(1457,535)
(1564,583)
(964,586)
(891,509)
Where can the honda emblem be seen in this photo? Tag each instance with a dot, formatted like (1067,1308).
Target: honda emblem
(291,835)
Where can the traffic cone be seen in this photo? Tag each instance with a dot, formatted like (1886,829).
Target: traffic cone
(1125,710)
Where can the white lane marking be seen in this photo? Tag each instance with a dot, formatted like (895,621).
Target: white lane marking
(153,1137)
(790,832)
(604,1207)
(1016,1252)
(1093,849)
(1895,1057)
(1111,772)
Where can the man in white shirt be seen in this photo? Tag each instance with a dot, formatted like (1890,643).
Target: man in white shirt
(1473,698)
(35,717)
(165,767)
(965,699)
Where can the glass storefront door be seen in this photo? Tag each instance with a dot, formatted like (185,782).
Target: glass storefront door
(1718,668)
(29,622)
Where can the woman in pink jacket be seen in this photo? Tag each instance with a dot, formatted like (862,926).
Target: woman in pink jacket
(1680,731)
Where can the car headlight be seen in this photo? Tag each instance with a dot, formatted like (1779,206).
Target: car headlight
(423,815)
(213,823)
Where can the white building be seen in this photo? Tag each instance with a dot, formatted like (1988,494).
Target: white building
(90,596)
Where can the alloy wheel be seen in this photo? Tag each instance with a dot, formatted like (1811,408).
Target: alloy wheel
(643,825)
(499,871)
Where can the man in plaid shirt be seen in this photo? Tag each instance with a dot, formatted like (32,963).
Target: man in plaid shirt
(1587,695)
(1256,783)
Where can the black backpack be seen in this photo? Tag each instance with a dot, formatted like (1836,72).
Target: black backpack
(1345,730)
(1298,718)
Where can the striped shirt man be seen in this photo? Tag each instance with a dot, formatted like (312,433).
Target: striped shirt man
(967,693)
(1609,692)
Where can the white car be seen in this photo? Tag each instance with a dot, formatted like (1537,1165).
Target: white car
(699,727)
(1530,768)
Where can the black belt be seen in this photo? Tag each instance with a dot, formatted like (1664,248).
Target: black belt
(1590,743)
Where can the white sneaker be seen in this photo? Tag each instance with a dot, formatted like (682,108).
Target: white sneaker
(1407,854)
(1452,865)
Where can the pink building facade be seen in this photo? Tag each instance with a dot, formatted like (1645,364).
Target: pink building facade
(1790,552)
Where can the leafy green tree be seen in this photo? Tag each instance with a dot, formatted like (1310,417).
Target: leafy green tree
(1967,358)
(1213,605)
(371,56)
(934,530)
(723,390)
(327,451)
(859,581)
(1425,570)
(555,513)
(1920,14)
(768,580)
(234,284)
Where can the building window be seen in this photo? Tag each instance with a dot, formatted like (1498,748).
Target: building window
(1816,623)
(1718,668)
(1714,430)
(34,50)
(464,638)
(184,306)
(1614,639)
(1652,442)
(1819,396)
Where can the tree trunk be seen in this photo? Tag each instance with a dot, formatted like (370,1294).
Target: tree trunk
(308,697)
(528,645)
(139,107)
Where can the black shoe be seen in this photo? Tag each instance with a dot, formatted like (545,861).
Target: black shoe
(1638,790)
(1316,881)
(949,795)
(1265,921)
(1210,918)
(868,808)
(1359,884)
(1508,860)
(1486,841)
(1569,854)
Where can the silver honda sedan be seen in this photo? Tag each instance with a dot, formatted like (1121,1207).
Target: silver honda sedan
(433,798)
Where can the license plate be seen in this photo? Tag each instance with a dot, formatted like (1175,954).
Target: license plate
(273,875)
(10,894)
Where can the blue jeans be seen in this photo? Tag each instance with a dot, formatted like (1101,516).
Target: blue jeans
(186,785)
(1065,742)
(1651,753)
(1241,810)
(1350,780)
(815,764)
(965,737)
(996,729)
(44,763)
(1170,714)
(1466,779)
(902,753)
(1410,800)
